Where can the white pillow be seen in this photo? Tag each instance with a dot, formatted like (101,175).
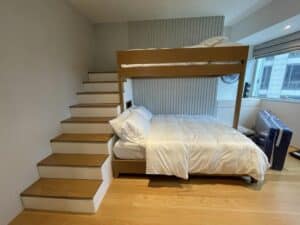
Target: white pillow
(227,43)
(143,111)
(135,129)
(118,122)
(210,42)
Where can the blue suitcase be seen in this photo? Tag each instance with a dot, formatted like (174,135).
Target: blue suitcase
(274,137)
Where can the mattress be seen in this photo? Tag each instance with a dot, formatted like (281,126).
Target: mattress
(181,145)
(128,150)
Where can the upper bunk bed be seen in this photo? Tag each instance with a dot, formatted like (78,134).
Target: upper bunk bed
(185,62)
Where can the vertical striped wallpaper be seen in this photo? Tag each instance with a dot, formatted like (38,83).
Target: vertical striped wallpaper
(181,95)
(177,95)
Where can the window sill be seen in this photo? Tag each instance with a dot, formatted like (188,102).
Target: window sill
(294,101)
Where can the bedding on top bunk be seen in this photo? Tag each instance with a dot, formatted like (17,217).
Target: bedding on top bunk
(182,145)
(218,41)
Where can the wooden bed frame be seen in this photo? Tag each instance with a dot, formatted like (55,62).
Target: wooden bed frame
(237,55)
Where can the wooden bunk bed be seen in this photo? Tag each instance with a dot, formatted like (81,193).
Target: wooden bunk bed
(178,62)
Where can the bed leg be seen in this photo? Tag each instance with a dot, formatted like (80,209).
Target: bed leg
(116,173)
(253,180)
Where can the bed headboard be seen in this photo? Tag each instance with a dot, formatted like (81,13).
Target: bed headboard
(185,62)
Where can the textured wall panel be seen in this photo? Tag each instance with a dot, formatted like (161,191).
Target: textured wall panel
(178,95)
(182,95)
(173,32)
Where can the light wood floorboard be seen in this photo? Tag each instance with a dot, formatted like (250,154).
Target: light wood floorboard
(201,200)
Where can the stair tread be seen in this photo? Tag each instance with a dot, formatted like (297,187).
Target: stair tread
(103,138)
(87,120)
(97,92)
(63,188)
(114,72)
(74,160)
(95,82)
(95,105)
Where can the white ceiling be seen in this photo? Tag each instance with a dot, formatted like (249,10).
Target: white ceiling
(131,10)
(275,31)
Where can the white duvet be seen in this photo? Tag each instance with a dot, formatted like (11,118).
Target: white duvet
(183,145)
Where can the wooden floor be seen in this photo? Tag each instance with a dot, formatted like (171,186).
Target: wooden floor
(201,201)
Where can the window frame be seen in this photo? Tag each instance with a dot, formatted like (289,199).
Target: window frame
(255,84)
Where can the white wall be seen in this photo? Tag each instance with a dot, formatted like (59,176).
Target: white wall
(46,50)
(273,13)
(249,110)
(110,37)
(289,113)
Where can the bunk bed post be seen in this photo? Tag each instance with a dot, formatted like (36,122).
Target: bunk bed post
(120,81)
(239,95)
(121,91)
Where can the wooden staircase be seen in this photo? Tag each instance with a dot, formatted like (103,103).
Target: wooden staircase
(76,176)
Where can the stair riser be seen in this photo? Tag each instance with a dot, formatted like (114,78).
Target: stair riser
(103,76)
(95,112)
(101,87)
(70,172)
(98,98)
(80,148)
(60,204)
(103,128)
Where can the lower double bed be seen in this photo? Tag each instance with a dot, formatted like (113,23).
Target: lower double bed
(183,145)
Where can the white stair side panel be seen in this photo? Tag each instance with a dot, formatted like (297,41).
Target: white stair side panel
(107,178)
(103,76)
(59,204)
(95,112)
(80,148)
(100,128)
(100,87)
(67,172)
(98,98)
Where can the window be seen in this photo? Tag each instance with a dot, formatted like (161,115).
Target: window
(292,77)
(265,80)
(278,77)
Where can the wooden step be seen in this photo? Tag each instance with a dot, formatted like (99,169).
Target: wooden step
(90,138)
(100,82)
(86,125)
(74,160)
(103,76)
(95,105)
(102,72)
(97,92)
(100,86)
(63,188)
(66,195)
(87,120)
(95,110)
(72,166)
(98,97)
(86,144)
